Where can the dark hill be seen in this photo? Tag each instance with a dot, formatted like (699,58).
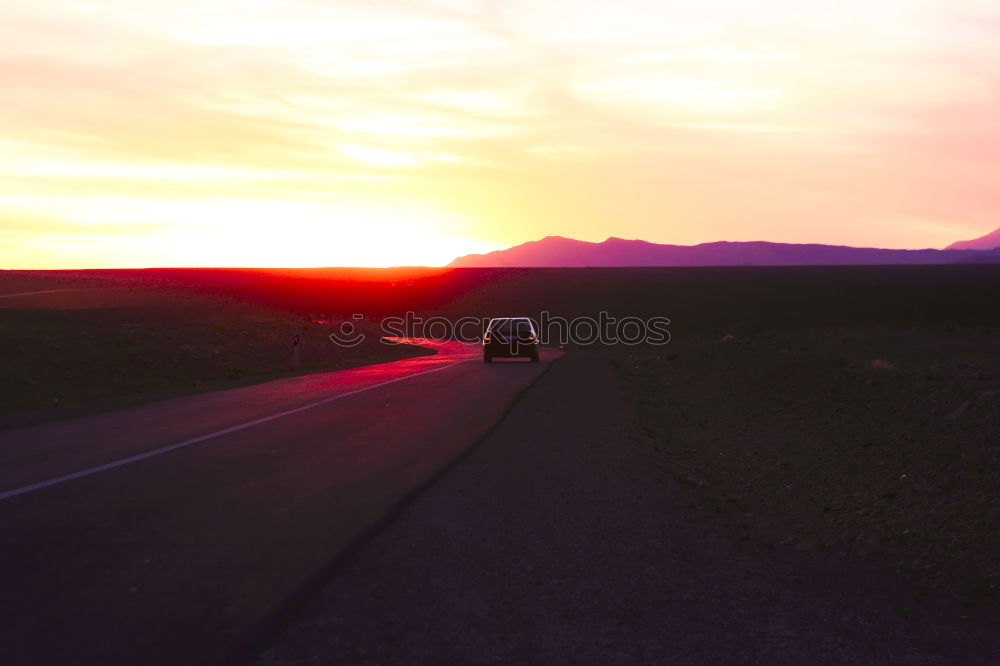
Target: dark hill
(988,242)
(560,252)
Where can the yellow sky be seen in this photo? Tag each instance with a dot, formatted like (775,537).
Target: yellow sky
(311,132)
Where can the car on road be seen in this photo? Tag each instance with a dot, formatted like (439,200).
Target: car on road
(511,337)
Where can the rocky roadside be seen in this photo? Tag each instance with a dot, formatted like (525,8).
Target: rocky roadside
(880,445)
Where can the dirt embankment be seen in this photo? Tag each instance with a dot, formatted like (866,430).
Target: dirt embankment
(878,444)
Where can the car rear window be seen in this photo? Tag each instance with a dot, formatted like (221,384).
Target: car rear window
(511,326)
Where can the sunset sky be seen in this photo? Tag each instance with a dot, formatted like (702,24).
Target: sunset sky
(322,133)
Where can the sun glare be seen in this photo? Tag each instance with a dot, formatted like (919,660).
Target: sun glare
(379,157)
(244,232)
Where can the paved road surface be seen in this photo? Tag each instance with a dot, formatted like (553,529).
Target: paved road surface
(173,533)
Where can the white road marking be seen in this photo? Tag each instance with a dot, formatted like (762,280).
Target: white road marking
(188,442)
(32,293)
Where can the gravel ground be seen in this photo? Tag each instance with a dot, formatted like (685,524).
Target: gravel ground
(560,540)
(871,444)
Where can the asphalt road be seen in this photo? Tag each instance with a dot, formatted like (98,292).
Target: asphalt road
(178,532)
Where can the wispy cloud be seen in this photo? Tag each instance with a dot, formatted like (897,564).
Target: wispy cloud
(495,122)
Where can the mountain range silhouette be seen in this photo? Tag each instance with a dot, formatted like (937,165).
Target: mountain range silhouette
(561,252)
(990,241)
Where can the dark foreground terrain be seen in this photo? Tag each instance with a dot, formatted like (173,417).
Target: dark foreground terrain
(103,344)
(560,540)
(805,473)
(874,444)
